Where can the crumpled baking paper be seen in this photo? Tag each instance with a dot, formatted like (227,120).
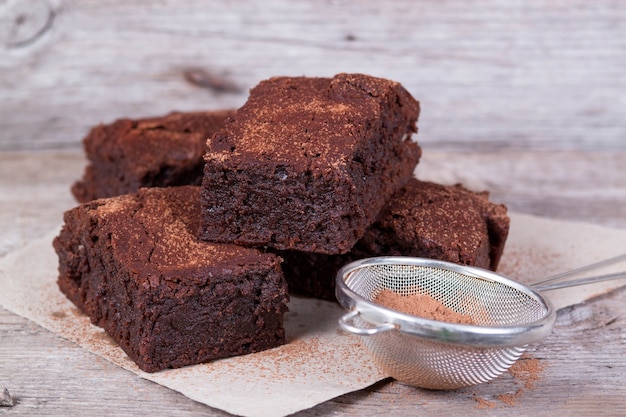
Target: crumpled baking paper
(318,362)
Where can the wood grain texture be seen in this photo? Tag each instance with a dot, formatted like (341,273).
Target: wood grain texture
(524,99)
(494,74)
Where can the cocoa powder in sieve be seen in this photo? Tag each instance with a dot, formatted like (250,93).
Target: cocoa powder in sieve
(421,305)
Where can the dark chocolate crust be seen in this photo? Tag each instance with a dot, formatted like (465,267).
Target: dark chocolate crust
(133,264)
(424,219)
(449,223)
(153,152)
(308,163)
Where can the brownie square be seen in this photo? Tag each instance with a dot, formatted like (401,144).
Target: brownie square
(423,219)
(449,223)
(134,265)
(308,163)
(151,152)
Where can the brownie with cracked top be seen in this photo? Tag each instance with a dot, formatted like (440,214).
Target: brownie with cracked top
(150,152)
(134,265)
(424,219)
(307,163)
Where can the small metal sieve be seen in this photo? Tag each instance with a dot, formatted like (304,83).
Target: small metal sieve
(441,355)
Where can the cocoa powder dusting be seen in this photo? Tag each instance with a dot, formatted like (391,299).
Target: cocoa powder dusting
(525,372)
(421,305)
(510,399)
(482,403)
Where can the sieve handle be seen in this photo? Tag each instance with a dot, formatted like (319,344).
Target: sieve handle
(361,331)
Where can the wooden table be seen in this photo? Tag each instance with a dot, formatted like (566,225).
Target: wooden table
(525,100)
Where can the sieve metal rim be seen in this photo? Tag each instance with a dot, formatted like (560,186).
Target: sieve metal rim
(452,333)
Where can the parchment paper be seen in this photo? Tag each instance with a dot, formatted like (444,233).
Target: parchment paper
(318,363)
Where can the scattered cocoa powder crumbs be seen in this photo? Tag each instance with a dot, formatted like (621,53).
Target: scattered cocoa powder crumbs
(510,399)
(526,371)
(421,305)
(482,403)
(306,358)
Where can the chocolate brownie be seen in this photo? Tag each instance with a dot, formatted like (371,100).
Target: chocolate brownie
(153,152)
(449,223)
(134,265)
(423,219)
(307,163)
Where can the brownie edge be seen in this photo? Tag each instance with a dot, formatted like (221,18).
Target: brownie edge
(164,151)
(424,219)
(133,264)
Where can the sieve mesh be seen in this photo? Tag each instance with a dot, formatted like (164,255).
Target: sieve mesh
(489,303)
(434,362)
(431,365)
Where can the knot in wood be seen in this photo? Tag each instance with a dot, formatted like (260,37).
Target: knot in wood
(23,22)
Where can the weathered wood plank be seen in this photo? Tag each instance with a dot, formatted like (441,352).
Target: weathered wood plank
(498,74)
(584,186)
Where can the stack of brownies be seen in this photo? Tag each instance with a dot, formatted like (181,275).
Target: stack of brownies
(182,266)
